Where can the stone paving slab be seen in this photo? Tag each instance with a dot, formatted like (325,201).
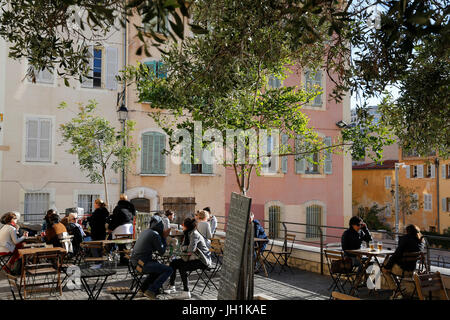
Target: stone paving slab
(287,285)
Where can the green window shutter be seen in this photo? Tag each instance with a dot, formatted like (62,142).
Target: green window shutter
(146,156)
(153,160)
(185,164)
(328,164)
(162,156)
(318,82)
(152,66)
(208,168)
(300,162)
(162,71)
(157,156)
(284,159)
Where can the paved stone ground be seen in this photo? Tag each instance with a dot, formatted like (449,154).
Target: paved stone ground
(287,285)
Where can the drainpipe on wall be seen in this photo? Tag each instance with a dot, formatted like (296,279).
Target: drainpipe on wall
(436,174)
(125,100)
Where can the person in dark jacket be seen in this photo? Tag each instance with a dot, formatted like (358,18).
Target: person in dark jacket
(98,220)
(354,236)
(259,230)
(396,266)
(149,241)
(121,222)
(97,223)
(411,242)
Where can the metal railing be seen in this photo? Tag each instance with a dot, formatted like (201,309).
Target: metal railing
(331,235)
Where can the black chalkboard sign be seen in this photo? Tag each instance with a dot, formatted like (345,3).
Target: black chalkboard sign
(235,249)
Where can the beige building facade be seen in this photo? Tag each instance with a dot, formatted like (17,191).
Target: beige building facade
(36,172)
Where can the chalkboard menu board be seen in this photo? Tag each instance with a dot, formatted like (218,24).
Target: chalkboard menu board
(237,232)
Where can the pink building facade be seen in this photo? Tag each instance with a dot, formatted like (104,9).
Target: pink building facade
(305,194)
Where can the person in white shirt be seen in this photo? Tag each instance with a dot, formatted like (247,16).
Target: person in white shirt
(9,242)
(204,227)
(167,219)
(212,220)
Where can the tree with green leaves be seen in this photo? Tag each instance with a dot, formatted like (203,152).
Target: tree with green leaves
(385,37)
(221,79)
(371,217)
(97,144)
(407,201)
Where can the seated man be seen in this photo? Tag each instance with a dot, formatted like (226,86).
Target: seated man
(55,230)
(411,242)
(149,241)
(354,236)
(259,230)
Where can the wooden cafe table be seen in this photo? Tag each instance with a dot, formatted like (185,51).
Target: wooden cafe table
(370,254)
(31,253)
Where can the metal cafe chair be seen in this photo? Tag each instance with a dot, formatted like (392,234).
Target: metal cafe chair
(265,255)
(282,257)
(4,258)
(332,257)
(207,274)
(407,276)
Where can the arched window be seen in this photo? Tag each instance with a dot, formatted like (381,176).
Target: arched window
(274,221)
(153,160)
(313,219)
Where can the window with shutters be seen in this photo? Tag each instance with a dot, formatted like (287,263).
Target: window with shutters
(38,139)
(312,164)
(284,159)
(387,182)
(153,159)
(313,219)
(86,201)
(427,202)
(313,82)
(274,222)
(205,167)
(274,82)
(445,204)
(103,68)
(43,76)
(157,68)
(414,201)
(158,25)
(414,170)
(387,210)
(35,206)
(272,164)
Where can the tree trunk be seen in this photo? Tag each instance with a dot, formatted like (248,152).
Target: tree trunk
(105,185)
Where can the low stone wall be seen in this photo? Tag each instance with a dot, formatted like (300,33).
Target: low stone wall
(307,258)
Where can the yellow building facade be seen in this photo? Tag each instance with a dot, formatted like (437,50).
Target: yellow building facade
(418,177)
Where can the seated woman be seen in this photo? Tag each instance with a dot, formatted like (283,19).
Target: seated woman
(55,230)
(74,229)
(411,242)
(9,242)
(197,256)
(204,227)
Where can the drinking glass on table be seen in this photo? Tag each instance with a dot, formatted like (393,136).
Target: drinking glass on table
(371,245)
(363,245)
(380,245)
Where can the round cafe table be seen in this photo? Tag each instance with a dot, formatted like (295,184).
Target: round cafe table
(370,254)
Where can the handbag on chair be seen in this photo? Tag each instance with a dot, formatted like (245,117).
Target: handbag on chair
(342,265)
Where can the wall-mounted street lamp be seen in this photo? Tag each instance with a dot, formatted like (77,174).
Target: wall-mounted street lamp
(341,124)
(122,115)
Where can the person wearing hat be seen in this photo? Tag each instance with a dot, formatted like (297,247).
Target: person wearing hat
(149,241)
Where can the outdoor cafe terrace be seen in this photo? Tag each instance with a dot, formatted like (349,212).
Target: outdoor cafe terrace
(306,276)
